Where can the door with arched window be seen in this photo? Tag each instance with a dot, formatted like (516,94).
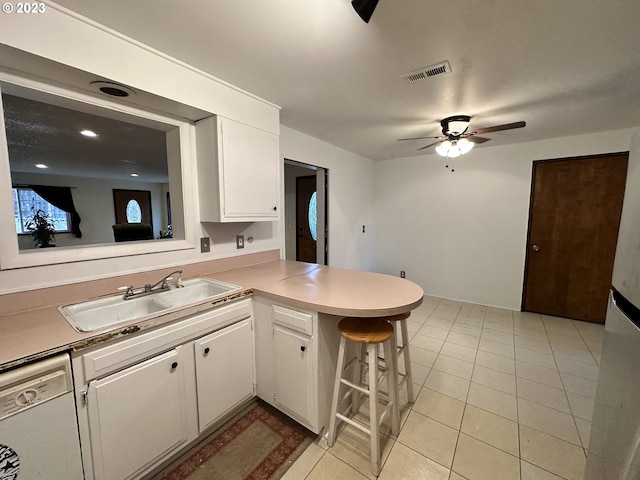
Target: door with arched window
(306,212)
(132,206)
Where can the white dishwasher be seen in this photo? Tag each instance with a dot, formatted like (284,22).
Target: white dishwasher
(38,424)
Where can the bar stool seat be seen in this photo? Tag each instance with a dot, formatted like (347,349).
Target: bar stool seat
(368,333)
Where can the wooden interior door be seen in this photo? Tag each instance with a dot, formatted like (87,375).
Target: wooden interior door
(574,218)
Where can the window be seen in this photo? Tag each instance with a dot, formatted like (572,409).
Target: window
(313,216)
(26,202)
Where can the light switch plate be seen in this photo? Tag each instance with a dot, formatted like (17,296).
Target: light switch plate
(239,241)
(205,245)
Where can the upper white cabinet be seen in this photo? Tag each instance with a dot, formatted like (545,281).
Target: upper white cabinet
(238,172)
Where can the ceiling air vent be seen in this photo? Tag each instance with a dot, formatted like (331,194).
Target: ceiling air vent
(427,72)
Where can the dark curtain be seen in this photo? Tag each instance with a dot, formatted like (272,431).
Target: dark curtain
(60,197)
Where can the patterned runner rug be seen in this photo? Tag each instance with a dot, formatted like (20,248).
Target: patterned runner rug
(258,444)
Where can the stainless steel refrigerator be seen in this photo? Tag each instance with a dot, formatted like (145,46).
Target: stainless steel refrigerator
(614,446)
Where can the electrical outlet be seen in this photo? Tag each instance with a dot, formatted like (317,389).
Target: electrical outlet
(401,273)
(205,245)
(239,241)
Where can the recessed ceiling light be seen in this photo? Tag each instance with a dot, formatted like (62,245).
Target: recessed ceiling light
(41,165)
(134,174)
(88,133)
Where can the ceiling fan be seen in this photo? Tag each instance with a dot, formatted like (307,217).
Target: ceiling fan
(456,139)
(364,8)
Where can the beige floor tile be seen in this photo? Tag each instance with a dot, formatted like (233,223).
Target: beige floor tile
(496,362)
(454,366)
(467,328)
(463,339)
(496,348)
(536,358)
(581,406)
(498,325)
(583,356)
(419,372)
(421,355)
(533,344)
(579,369)
(434,332)
(455,476)
(535,373)
(494,379)
(540,335)
(548,420)
(531,472)
(450,385)
(544,395)
(331,467)
(497,336)
(353,447)
(476,460)
(584,430)
(305,463)
(404,463)
(581,386)
(439,407)
(552,454)
(439,322)
(430,438)
(493,401)
(497,431)
(467,354)
(428,343)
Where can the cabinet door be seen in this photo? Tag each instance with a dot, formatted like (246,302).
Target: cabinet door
(250,172)
(293,369)
(137,416)
(224,371)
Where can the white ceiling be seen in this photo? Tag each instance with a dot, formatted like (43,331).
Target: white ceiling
(566,67)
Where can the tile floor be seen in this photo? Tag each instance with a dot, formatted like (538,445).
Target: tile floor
(499,395)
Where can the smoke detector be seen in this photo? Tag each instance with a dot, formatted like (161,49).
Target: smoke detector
(113,89)
(427,72)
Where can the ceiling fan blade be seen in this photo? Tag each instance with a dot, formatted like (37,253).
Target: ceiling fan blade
(498,128)
(364,8)
(477,140)
(430,145)
(414,138)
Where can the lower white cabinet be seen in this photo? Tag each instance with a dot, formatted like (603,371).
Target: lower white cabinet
(296,356)
(138,415)
(142,399)
(225,374)
(293,363)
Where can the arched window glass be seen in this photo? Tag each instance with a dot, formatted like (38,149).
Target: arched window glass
(313,216)
(134,212)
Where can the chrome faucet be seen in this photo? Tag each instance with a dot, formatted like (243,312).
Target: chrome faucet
(162,284)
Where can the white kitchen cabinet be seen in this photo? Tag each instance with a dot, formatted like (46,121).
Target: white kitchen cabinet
(137,416)
(144,398)
(225,373)
(238,172)
(296,356)
(293,361)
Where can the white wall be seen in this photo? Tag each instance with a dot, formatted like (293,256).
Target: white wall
(351,196)
(462,235)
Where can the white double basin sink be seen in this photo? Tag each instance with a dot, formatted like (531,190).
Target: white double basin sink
(108,311)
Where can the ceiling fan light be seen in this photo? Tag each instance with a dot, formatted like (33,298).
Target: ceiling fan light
(458,127)
(443,148)
(453,152)
(464,145)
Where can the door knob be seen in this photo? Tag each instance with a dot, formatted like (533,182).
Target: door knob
(535,248)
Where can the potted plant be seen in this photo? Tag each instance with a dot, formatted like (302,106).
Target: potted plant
(41,228)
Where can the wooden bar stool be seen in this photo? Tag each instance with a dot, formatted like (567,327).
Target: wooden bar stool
(367,332)
(407,377)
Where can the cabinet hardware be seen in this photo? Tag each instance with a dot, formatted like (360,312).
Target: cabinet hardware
(275,208)
(302,348)
(85,397)
(174,365)
(206,351)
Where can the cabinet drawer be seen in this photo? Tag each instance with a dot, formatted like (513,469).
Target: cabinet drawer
(105,360)
(299,321)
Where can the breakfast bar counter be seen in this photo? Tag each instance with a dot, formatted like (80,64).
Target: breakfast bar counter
(29,334)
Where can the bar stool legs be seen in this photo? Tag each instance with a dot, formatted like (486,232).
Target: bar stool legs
(400,320)
(368,333)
